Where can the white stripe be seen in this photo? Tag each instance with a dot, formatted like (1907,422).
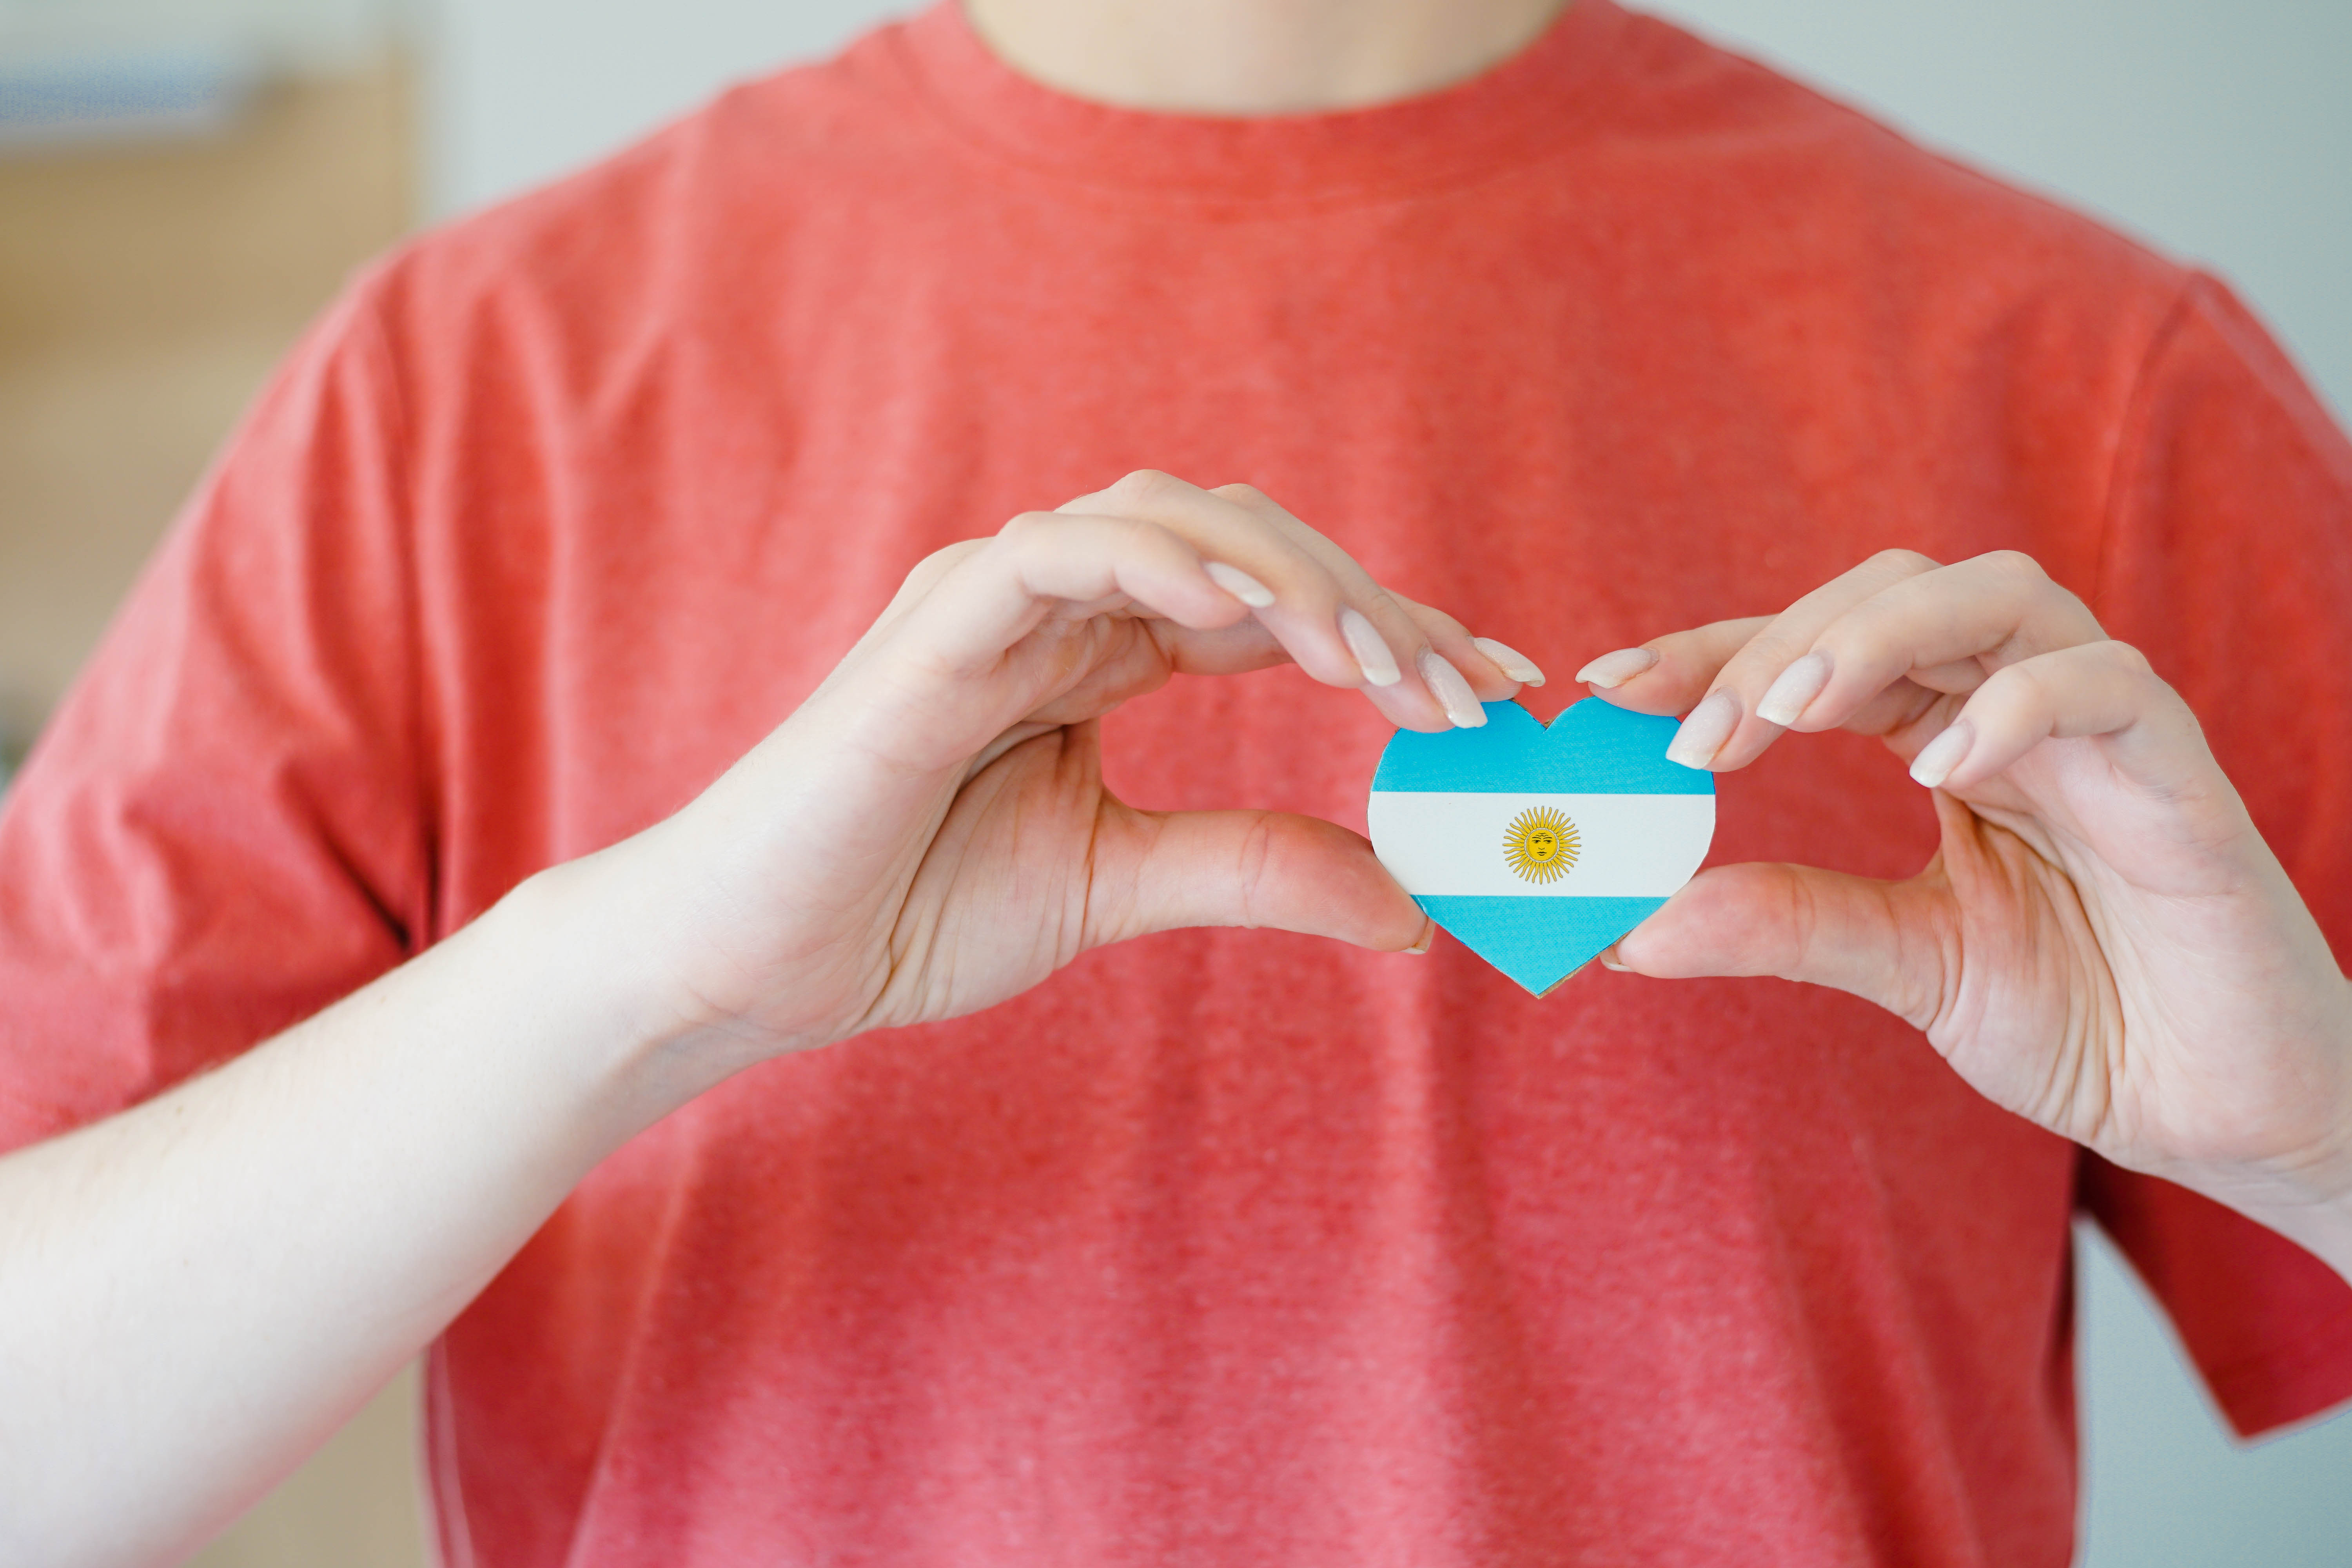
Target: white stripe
(1629,846)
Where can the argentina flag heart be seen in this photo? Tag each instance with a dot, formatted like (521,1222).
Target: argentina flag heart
(1538,847)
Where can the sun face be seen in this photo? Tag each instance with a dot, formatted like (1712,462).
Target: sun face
(1540,845)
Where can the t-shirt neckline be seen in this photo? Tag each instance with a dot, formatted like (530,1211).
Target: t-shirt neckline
(1509,112)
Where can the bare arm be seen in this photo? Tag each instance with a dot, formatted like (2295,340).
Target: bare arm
(196,1292)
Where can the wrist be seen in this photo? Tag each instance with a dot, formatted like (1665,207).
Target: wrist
(623,961)
(571,945)
(2305,1195)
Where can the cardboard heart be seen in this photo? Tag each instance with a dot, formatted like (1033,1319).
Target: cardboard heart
(1537,847)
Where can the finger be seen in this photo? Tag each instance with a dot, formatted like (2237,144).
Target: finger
(1936,630)
(2104,689)
(1159,871)
(1495,670)
(1880,941)
(1669,674)
(1435,687)
(993,597)
(1722,730)
(1289,588)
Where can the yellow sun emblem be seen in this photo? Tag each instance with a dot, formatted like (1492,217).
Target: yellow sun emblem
(1540,845)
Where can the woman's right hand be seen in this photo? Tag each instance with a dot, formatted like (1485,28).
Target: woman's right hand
(929,835)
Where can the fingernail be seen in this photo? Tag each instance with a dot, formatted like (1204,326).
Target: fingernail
(1509,660)
(1452,692)
(1939,756)
(1616,668)
(1710,724)
(1609,959)
(1239,583)
(1428,935)
(1372,655)
(1788,697)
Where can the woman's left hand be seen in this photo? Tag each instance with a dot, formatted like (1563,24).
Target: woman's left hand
(2103,944)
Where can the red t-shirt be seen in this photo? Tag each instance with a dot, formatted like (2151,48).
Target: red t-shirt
(1224,1246)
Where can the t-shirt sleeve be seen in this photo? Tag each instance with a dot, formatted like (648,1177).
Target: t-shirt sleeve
(222,830)
(2228,560)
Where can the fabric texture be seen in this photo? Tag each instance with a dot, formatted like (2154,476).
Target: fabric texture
(1226,1247)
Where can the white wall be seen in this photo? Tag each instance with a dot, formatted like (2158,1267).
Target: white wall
(2221,133)
(2167,1486)
(524,89)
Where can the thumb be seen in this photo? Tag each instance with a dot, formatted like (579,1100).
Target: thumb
(1163,870)
(1877,941)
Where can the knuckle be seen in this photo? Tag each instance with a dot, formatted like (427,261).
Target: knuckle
(2062,603)
(1802,923)
(1901,562)
(1786,642)
(1023,526)
(2015,566)
(1244,494)
(2153,690)
(2015,686)
(1252,862)
(1144,486)
(1765,654)
(2125,656)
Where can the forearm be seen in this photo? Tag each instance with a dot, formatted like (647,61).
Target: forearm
(196,1292)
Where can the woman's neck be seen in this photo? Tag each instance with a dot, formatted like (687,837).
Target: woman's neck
(1255,57)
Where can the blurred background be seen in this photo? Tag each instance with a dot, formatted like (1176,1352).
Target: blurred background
(184,183)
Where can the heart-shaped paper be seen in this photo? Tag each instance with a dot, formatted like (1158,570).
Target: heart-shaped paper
(1537,847)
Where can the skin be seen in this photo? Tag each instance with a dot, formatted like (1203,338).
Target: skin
(1255,57)
(2103,944)
(199,1291)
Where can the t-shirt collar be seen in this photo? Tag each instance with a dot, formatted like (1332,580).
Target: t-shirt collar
(1511,111)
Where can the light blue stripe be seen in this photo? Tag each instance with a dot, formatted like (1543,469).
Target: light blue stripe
(1537,942)
(1591,748)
